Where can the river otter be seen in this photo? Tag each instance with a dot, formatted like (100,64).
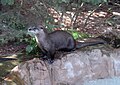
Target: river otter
(57,40)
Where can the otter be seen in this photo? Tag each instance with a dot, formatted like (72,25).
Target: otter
(58,40)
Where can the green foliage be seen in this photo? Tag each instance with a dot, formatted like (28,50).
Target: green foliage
(62,1)
(7,2)
(13,21)
(32,45)
(29,48)
(84,35)
(9,34)
(95,2)
(78,35)
(75,34)
(32,48)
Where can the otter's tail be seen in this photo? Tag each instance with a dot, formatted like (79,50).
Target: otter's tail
(7,59)
(84,44)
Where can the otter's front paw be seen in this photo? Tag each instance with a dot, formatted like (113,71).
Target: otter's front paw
(50,61)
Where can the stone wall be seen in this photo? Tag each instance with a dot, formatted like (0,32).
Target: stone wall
(74,68)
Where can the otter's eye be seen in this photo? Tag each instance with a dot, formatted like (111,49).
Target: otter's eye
(29,29)
(41,27)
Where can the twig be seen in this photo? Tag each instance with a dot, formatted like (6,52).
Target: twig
(8,55)
(61,19)
(91,14)
(117,4)
(73,21)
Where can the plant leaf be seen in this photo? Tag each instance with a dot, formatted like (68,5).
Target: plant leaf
(10,2)
(3,2)
(75,35)
(29,48)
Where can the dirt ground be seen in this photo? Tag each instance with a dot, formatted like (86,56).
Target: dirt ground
(12,48)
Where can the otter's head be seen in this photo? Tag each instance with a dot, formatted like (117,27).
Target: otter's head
(36,30)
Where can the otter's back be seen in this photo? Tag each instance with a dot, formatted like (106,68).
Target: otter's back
(62,40)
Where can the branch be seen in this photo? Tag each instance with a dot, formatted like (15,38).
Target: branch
(74,18)
(91,14)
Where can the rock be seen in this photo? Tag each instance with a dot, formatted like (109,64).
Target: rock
(74,68)
(111,81)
